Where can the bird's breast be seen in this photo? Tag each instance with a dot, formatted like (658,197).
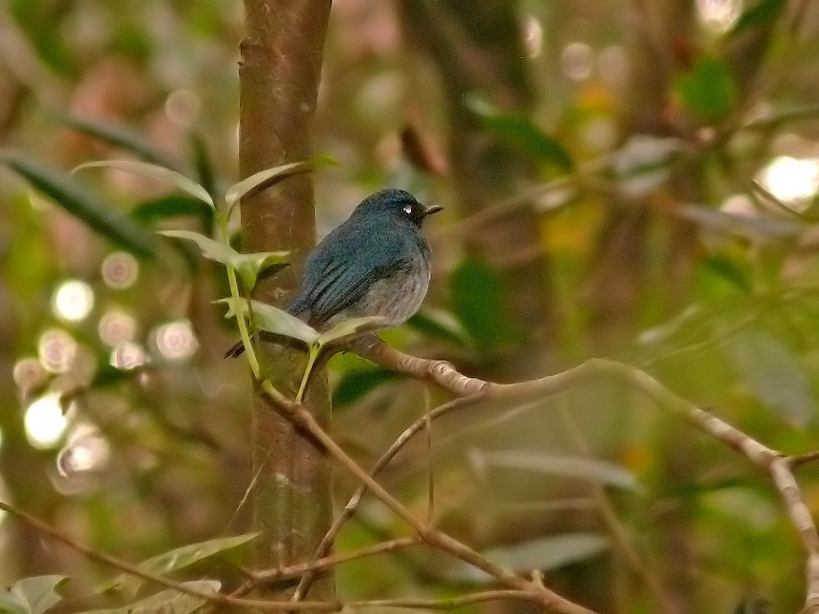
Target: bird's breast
(395,297)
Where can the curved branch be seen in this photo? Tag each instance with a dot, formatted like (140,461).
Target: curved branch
(776,465)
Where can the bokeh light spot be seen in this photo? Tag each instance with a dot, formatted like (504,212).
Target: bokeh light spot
(86,450)
(613,63)
(29,374)
(120,270)
(533,36)
(116,326)
(57,350)
(577,61)
(44,421)
(176,340)
(128,355)
(718,15)
(792,180)
(738,204)
(182,107)
(73,301)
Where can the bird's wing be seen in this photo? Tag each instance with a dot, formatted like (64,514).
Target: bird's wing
(345,270)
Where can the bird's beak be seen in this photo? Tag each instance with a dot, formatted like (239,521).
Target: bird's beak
(432,209)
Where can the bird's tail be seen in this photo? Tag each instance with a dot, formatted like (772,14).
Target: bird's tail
(237,348)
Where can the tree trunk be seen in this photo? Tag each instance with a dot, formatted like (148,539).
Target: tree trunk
(279,77)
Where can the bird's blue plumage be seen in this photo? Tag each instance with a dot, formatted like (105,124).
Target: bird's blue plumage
(374,264)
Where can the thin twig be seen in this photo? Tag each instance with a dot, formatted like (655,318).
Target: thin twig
(349,510)
(432,536)
(798,461)
(293,571)
(135,571)
(776,465)
(430,460)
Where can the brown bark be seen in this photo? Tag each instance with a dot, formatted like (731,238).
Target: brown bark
(279,77)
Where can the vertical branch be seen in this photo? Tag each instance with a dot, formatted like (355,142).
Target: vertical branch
(279,76)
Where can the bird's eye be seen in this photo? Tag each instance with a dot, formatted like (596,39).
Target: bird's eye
(407,209)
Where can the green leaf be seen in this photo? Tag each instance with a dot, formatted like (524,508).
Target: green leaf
(729,271)
(32,595)
(174,560)
(353,326)
(265,177)
(172,205)
(169,601)
(40,22)
(589,469)
(83,205)
(441,326)
(271,319)
(544,554)
(203,162)
(709,91)
(477,300)
(212,250)
(261,179)
(247,265)
(118,137)
(760,13)
(358,382)
(758,227)
(775,375)
(523,132)
(153,171)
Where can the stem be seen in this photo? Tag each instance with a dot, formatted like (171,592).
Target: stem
(243,332)
(311,360)
(224,237)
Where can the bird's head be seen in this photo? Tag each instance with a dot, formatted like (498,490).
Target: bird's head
(399,203)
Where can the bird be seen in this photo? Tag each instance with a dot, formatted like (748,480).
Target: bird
(376,263)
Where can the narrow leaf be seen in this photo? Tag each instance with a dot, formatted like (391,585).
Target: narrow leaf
(176,559)
(478,300)
(257,180)
(523,132)
(118,137)
(709,91)
(203,162)
(725,269)
(153,171)
(544,554)
(589,469)
(441,326)
(172,205)
(758,227)
(356,383)
(169,601)
(32,595)
(763,12)
(212,250)
(248,265)
(271,319)
(83,205)
(775,375)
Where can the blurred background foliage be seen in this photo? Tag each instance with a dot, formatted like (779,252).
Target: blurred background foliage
(635,179)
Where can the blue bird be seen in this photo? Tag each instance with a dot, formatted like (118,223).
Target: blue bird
(374,264)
